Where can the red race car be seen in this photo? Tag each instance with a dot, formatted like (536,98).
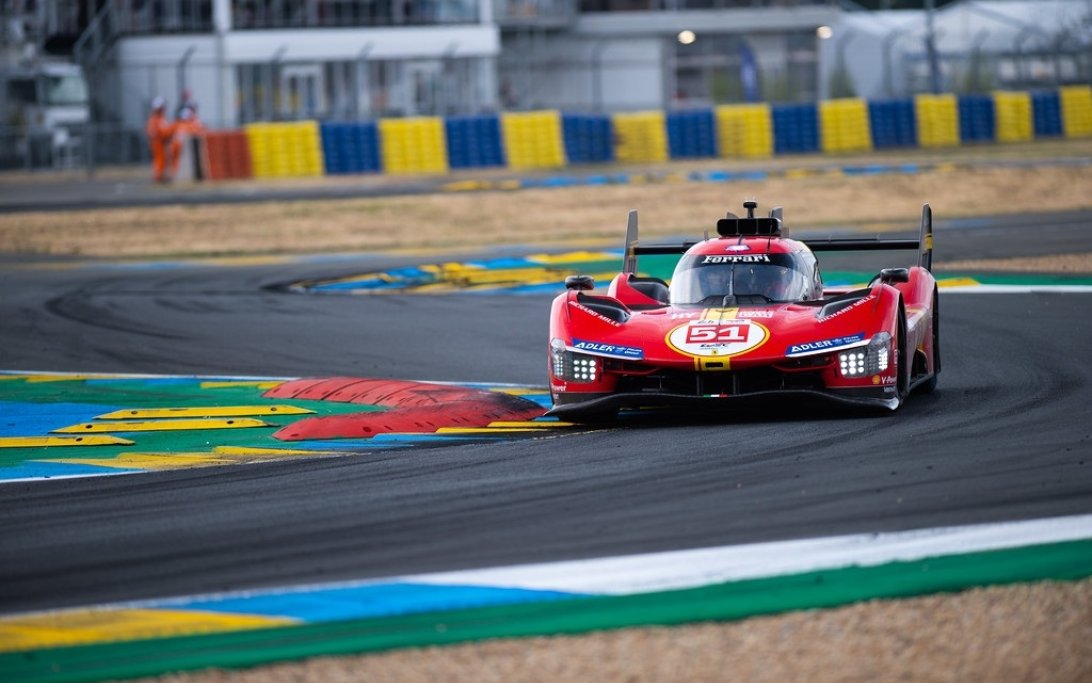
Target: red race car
(745,316)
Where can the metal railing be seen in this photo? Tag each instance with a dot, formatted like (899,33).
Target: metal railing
(80,147)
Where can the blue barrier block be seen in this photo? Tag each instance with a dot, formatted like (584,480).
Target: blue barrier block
(589,138)
(1047,113)
(474,141)
(796,128)
(690,134)
(977,118)
(350,147)
(893,123)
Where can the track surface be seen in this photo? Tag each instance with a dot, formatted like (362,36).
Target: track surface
(1007,436)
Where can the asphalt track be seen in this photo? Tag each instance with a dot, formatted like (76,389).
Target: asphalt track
(1006,437)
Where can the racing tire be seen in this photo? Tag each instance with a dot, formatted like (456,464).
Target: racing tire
(903,360)
(930,385)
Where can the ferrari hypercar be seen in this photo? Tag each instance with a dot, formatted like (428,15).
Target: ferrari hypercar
(745,317)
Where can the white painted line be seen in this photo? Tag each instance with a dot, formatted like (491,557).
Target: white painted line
(1017,289)
(701,567)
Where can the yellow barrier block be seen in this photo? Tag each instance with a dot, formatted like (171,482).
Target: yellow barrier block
(640,137)
(161,425)
(938,120)
(745,130)
(1076,103)
(51,441)
(88,626)
(283,150)
(414,145)
(208,411)
(844,125)
(533,139)
(1013,116)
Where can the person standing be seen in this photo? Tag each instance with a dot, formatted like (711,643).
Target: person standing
(186,128)
(160,133)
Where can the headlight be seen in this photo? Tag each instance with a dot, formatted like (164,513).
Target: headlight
(870,360)
(574,367)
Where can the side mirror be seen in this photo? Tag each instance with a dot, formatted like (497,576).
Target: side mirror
(580,282)
(890,276)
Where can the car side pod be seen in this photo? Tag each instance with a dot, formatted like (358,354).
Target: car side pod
(580,282)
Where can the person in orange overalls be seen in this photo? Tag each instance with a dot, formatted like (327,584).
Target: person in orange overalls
(187,125)
(160,132)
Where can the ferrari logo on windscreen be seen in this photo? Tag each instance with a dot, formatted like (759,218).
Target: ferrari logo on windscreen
(717,338)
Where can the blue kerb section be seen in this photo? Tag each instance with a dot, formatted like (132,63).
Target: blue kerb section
(49,470)
(474,141)
(977,118)
(691,134)
(368,602)
(893,123)
(1046,108)
(588,139)
(350,147)
(796,128)
(38,419)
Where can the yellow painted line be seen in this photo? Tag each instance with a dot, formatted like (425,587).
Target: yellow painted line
(151,461)
(33,379)
(254,450)
(4,377)
(163,425)
(958,282)
(87,627)
(520,391)
(207,411)
(485,430)
(49,441)
(261,384)
(510,424)
(572,257)
(221,455)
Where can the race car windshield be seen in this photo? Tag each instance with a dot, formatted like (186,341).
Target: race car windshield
(732,279)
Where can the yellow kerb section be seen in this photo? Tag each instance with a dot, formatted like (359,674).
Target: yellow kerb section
(285,150)
(844,125)
(88,627)
(52,441)
(1014,116)
(413,145)
(745,130)
(640,137)
(198,412)
(938,120)
(533,139)
(160,425)
(1076,110)
(181,461)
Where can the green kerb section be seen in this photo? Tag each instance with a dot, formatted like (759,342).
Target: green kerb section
(722,602)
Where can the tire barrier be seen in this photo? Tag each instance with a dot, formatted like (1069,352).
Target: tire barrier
(533,139)
(551,139)
(474,141)
(414,145)
(745,130)
(589,139)
(640,137)
(350,147)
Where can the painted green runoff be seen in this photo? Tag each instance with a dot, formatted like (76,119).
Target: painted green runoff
(1068,561)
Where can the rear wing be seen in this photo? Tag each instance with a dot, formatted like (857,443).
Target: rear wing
(923,244)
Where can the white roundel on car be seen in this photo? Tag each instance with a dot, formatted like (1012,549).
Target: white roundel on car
(717,337)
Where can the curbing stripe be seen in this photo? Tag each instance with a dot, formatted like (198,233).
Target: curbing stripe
(721,602)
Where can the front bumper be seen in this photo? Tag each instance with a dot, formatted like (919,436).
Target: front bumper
(574,405)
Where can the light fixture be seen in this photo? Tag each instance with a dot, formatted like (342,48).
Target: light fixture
(686,37)
(824,32)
